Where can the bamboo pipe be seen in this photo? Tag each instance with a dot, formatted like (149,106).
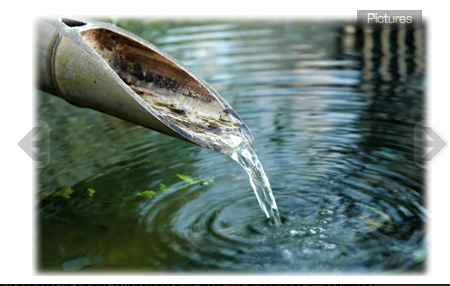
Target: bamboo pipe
(103,67)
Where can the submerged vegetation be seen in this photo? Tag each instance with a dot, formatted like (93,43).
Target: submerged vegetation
(65,194)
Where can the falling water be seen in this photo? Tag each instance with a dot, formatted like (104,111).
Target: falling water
(246,156)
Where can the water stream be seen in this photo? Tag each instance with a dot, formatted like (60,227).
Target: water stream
(246,157)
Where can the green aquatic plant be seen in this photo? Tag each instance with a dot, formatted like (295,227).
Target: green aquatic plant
(185,178)
(188,181)
(207,181)
(65,193)
(146,194)
(91,195)
(91,192)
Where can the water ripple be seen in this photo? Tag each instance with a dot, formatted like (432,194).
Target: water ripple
(332,114)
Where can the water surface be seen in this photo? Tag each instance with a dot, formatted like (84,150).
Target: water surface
(332,111)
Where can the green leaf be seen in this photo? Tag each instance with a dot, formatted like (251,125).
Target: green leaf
(162,187)
(207,181)
(185,178)
(65,193)
(147,194)
(91,192)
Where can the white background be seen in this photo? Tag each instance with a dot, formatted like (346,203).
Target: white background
(17,251)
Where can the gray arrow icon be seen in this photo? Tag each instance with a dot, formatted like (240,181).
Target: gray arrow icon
(437,143)
(422,134)
(38,138)
(27,142)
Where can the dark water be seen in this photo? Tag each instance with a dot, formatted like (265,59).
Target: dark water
(332,111)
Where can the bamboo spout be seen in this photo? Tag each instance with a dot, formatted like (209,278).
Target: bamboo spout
(101,66)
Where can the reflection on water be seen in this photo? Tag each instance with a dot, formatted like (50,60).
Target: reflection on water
(332,111)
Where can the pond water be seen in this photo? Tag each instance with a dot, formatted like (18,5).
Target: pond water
(332,111)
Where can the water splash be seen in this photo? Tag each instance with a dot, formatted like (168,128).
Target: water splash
(246,157)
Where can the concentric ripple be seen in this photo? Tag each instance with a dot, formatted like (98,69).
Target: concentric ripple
(332,111)
(330,227)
